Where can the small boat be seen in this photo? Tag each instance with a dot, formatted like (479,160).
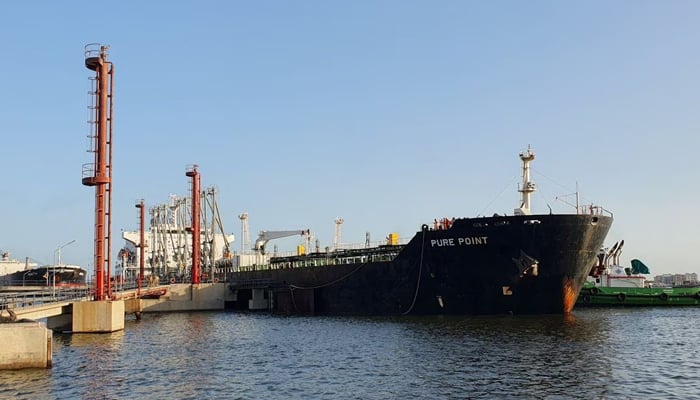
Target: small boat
(610,284)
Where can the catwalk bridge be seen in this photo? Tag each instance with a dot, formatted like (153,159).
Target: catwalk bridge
(58,307)
(34,303)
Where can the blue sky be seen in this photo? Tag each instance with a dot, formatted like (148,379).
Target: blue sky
(385,113)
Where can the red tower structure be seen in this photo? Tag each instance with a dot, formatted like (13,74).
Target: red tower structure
(99,172)
(142,243)
(195,228)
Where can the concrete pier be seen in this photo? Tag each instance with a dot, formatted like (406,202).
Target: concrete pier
(25,345)
(98,316)
(187,297)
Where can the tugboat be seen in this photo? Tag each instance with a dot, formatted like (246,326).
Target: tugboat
(520,264)
(610,284)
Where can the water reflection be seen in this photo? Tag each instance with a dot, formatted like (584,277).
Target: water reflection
(107,341)
(506,356)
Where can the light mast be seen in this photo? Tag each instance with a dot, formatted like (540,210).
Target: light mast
(99,172)
(337,238)
(195,225)
(245,237)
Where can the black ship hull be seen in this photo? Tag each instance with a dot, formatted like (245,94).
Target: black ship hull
(60,276)
(530,264)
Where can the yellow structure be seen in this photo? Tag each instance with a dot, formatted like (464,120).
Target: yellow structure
(392,239)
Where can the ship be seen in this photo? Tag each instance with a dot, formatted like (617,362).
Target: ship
(522,263)
(61,275)
(610,284)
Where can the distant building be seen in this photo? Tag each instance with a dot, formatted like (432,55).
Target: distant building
(676,279)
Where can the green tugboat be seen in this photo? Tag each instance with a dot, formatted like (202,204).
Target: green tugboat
(610,284)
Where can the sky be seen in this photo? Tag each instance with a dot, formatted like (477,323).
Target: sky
(385,113)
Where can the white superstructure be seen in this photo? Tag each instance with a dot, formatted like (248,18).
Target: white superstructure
(10,266)
(168,242)
(609,272)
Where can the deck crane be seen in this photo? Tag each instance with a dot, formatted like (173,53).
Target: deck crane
(266,236)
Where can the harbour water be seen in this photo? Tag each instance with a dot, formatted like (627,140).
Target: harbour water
(591,354)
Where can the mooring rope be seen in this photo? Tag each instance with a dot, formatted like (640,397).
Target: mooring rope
(420,272)
(294,303)
(415,295)
(330,283)
(292,287)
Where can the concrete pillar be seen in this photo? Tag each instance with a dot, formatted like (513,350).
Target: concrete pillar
(61,323)
(98,316)
(258,300)
(25,345)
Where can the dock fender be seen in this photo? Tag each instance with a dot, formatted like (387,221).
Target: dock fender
(697,295)
(663,296)
(621,297)
(595,290)
(586,298)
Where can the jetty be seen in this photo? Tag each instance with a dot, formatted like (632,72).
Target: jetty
(29,341)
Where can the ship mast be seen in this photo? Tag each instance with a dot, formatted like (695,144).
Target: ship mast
(527,186)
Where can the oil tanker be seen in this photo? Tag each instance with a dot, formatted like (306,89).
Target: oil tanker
(47,275)
(517,264)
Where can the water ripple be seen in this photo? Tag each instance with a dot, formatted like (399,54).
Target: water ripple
(592,354)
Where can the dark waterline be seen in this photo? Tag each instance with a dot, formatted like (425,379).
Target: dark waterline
(592,354)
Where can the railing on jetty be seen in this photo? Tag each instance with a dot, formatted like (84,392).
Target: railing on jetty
(37,298)
(22,297)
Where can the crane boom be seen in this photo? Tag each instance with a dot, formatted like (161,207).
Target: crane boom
(266,236)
